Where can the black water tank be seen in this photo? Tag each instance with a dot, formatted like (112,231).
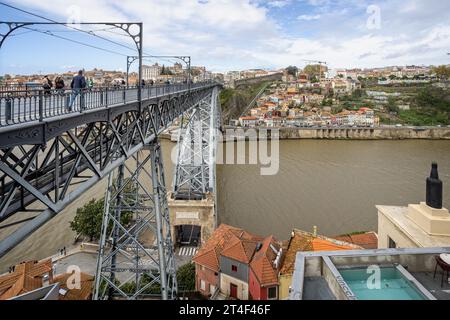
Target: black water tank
(434,188)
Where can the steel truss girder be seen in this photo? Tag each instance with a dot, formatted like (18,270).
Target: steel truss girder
(194,175)
(122,253)
(68,164)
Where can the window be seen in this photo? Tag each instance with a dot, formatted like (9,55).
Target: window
(233,268)
(202,285)
(392,244)
(272,293)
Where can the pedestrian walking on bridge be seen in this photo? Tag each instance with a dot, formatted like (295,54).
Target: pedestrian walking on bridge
(78,85)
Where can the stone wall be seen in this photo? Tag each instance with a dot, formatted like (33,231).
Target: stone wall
(272,77)
(361,133)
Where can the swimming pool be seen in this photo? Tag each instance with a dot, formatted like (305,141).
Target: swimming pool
(393,285)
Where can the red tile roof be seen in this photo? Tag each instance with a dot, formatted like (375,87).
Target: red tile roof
(305,241)
(231,241)
(263,260)
(368,240)
(85,291)
(240,250)
(26,277)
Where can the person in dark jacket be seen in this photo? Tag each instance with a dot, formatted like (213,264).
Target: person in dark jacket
(47,85)
(59,85)
(77,85)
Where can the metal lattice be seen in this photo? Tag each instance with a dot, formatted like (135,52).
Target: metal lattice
(129,265)
(194,175)
(53,162)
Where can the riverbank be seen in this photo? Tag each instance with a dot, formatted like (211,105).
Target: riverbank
(381,133)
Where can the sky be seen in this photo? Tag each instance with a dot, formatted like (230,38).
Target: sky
(226,35)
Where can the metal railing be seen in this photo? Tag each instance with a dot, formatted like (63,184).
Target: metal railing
(25,106)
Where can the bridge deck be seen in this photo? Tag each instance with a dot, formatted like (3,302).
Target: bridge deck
(17,107)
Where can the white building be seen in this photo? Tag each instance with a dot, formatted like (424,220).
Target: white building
(151,72)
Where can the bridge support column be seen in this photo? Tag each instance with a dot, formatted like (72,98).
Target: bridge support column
(136,257)
(201,213)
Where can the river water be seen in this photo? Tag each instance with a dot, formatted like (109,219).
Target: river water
(333,185)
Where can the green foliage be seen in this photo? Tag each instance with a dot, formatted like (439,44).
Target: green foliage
(392,77)
(392,105)
(234,101)
(315,70)
(165,71)
(155,288)
(88,219)
(442,72)
(358,94)
(292,70)
(225,96)
(186,277)
(129,287)
(327,102)
(417,118)
(433,99)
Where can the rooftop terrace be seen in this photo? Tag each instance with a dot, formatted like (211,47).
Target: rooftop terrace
(386,274)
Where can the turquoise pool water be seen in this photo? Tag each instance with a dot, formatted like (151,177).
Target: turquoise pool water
(393,286)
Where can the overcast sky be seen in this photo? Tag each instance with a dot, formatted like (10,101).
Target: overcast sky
(235,34)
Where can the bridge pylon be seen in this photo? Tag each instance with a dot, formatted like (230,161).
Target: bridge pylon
(192,201)
(136,259)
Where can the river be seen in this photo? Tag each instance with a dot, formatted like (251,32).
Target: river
(331,184)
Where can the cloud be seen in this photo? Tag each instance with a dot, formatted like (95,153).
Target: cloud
(309,17)
(278,3)
(238,34)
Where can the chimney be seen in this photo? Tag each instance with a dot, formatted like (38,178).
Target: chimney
(434,188)
(315,232)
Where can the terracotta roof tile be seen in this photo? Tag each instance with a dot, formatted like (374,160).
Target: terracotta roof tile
(262,263)
(240,250)
(85,291)
(368,240)
(25,278)
(223,238)
(305,241)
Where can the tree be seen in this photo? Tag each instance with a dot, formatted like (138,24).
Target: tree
(392,77)
(357,94)
(186,277)
(392,105)
(315,70)
(442,72)
(165,71)
(88,219)
(292,70)
(314,79)
(433,99)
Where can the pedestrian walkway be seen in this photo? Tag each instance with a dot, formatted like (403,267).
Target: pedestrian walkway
(187,251)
